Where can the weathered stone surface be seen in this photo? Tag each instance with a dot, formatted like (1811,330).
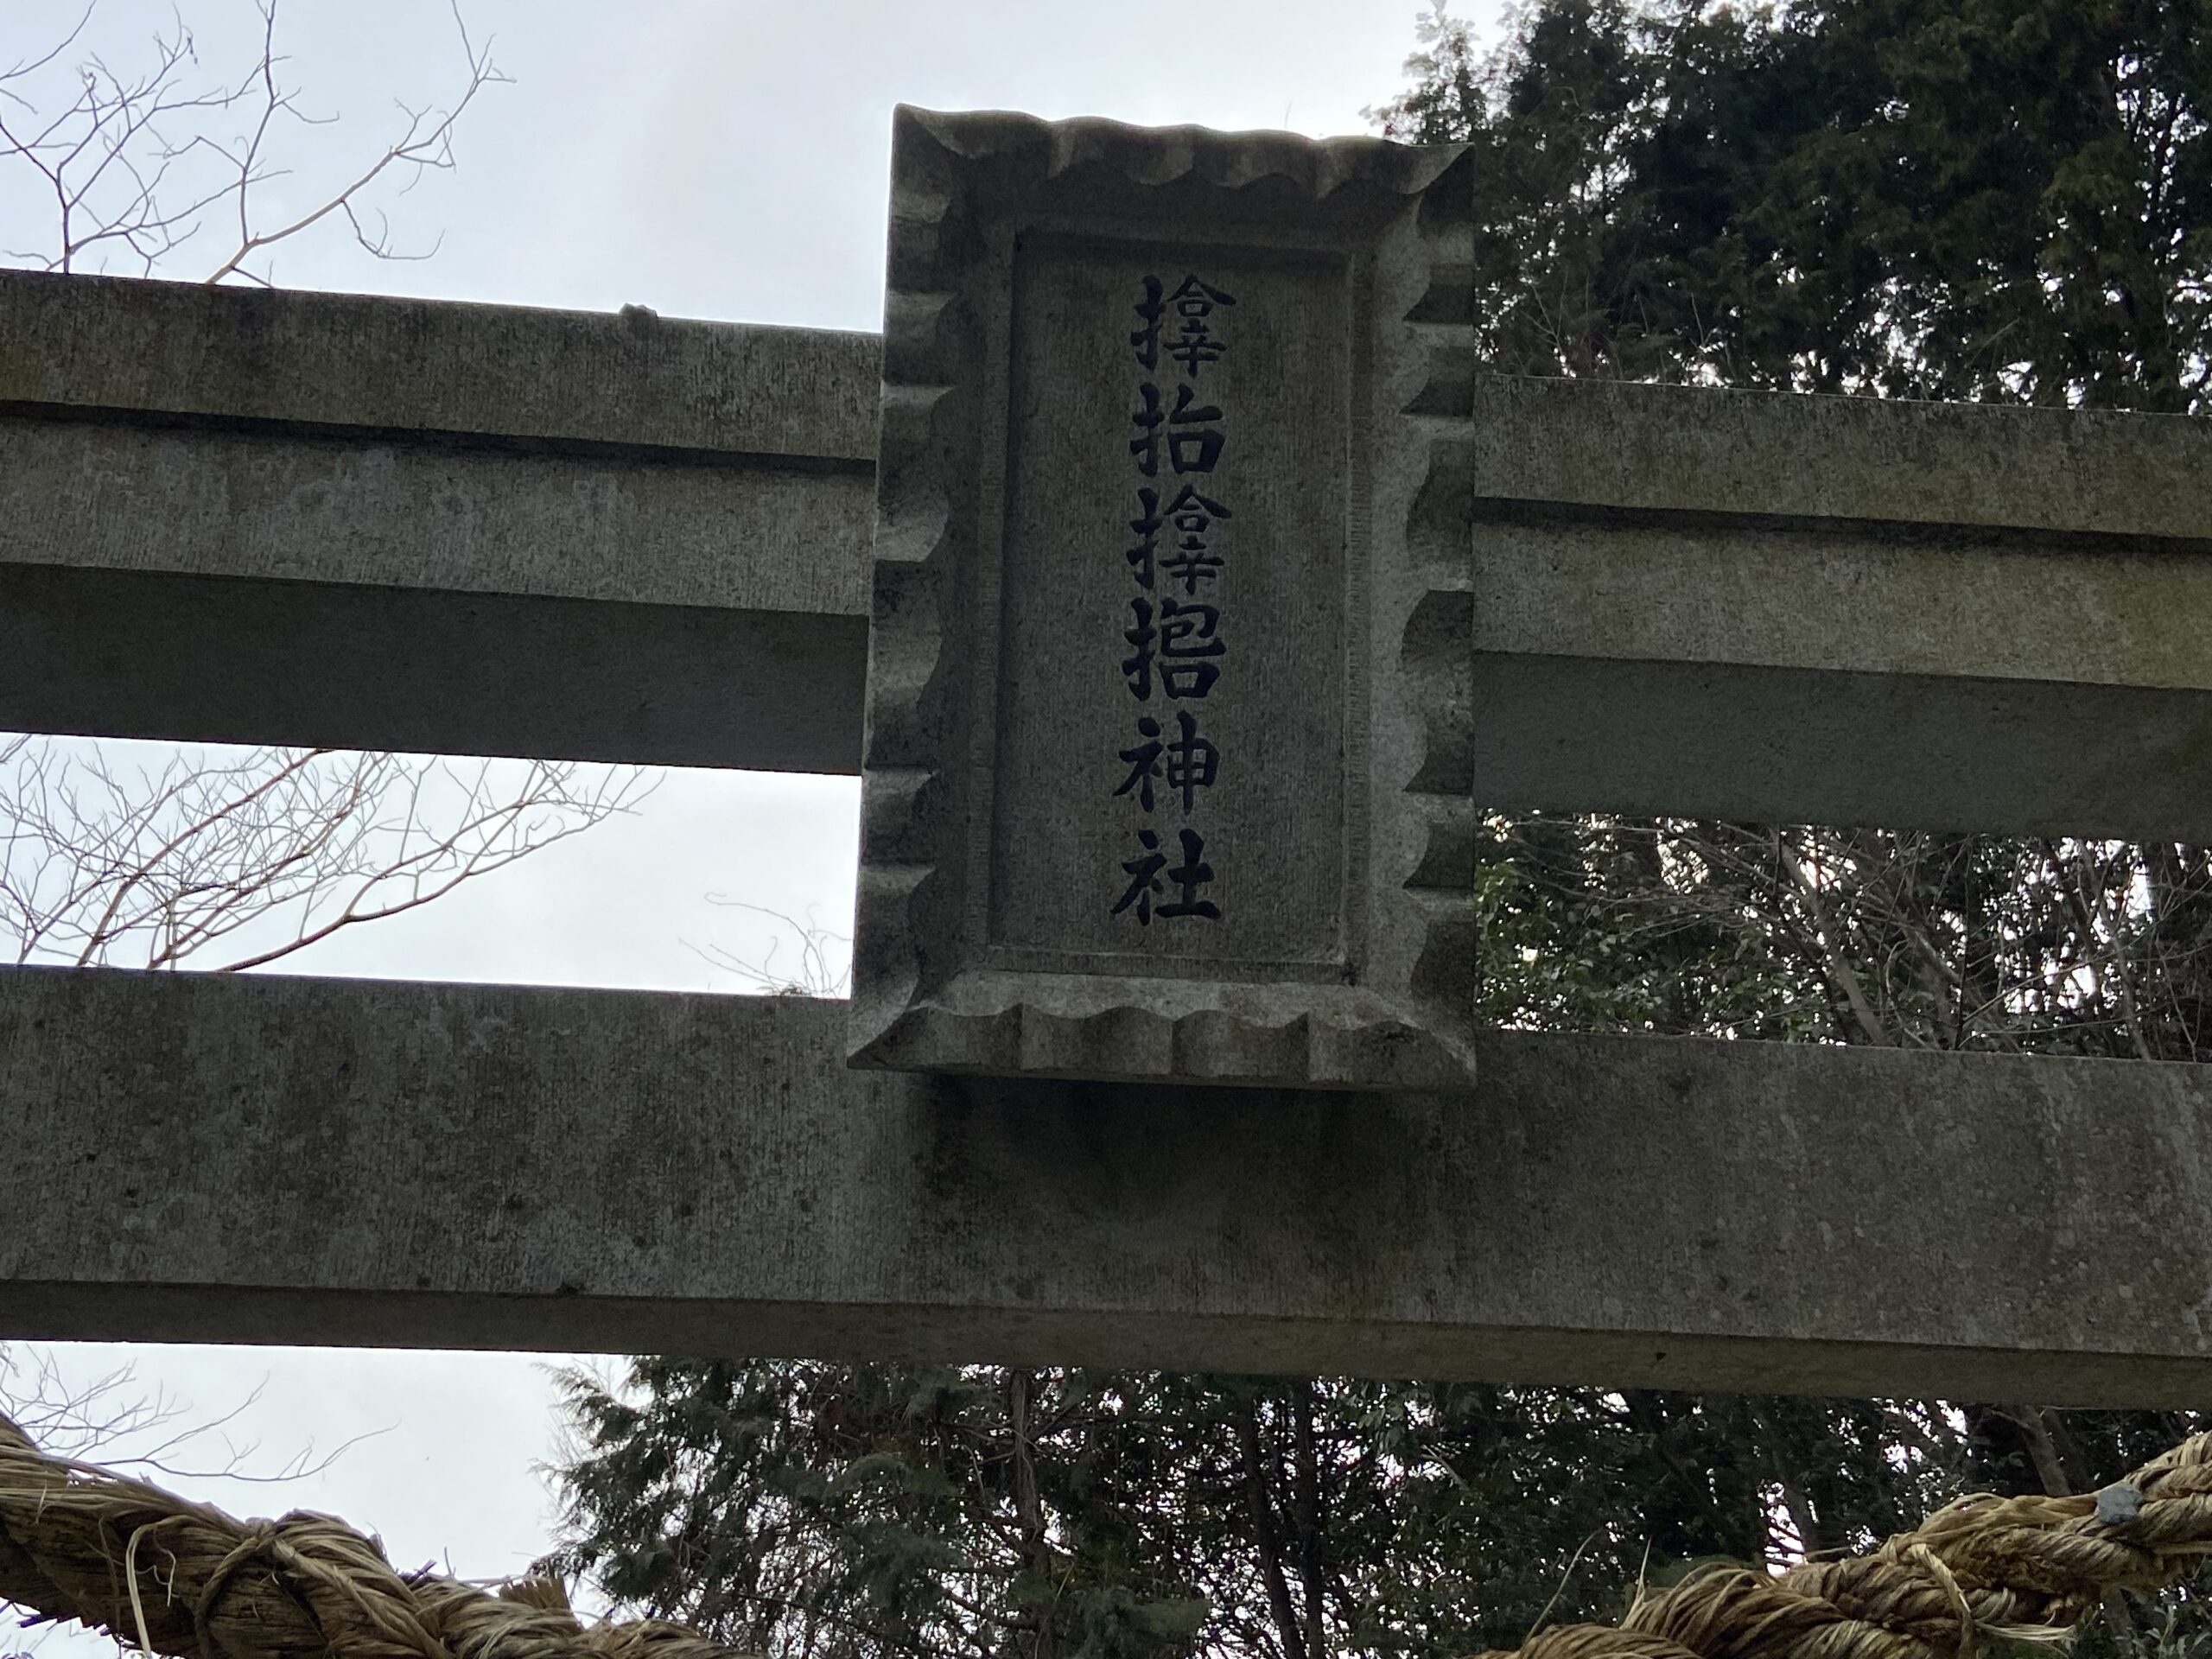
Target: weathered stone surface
(1166,756)
(1842,610)
(394,524)
(1842,596)
(250,1158)
(641,527)
(1783,745)
(324,519)
(1639,448)
(212,659)
(316,519)
(421,366)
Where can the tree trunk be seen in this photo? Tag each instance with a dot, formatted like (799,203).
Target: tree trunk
(1307,1513)
(1028,1509)
(1266,1538)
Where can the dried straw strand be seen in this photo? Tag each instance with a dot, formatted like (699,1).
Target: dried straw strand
(1979,1571)
(177,1578)
(184,1579)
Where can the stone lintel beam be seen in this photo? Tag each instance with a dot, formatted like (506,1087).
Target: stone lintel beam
(352,363)
(316,519)
(1842,610)
(397,524)
(323,1161)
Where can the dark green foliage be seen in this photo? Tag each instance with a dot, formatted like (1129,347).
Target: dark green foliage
(1965,199)
(1825,934)
(1988,198)
(878,1510)
(881,1511)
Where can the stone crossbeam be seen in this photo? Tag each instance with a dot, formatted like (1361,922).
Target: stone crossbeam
(1830,610)
(309,519)
(262,1158)
(391,524)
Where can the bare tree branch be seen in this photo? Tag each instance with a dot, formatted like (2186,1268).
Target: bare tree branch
(137,163)
(156,865)
(128,1423)
(823,966)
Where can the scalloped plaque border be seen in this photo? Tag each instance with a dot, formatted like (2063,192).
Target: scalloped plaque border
(923,1000)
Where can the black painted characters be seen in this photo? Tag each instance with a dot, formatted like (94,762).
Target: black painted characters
(1177,645)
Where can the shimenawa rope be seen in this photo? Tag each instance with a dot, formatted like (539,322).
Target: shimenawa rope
(172,1577)
(1980,1570)
(183,1578)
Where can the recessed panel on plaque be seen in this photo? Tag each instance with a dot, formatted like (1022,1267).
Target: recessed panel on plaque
(1166,767)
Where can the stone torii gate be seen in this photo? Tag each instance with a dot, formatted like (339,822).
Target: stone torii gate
(1276,1145)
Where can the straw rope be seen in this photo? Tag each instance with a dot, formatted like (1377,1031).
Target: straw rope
(1982,1571)
(183,1578)
(172,1577)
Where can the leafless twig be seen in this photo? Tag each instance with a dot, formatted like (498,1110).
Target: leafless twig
(236,858)
(823,967)
(119,1421)
(135,163)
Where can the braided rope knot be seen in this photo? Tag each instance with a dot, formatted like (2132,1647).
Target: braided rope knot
(185,1580)
(1982,1570)
(172,1577)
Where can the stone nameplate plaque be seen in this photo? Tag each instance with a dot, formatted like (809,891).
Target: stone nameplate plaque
(1166,766)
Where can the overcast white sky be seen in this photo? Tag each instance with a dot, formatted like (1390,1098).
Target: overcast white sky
(722,159)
